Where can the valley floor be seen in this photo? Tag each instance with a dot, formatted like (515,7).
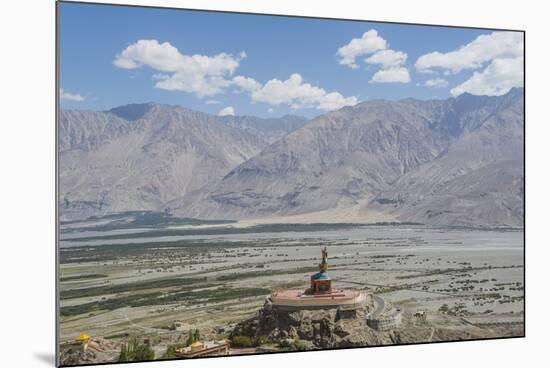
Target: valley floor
(468,282)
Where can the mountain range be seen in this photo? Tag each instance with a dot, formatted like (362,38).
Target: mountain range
(457,161)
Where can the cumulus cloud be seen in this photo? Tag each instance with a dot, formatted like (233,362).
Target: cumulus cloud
(297,94)
(227,111)
(436,83)
(198,74)
(391,75)
(497,79)
(473,55)
(211,75)
(391,62)
(70,96)
(369,43)
(246,83)
(387,58)
(499,53)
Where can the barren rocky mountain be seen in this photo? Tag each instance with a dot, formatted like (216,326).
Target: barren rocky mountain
(336,160)
(269,130)
(477,179)
(449,162)
(143,155)
(456,161)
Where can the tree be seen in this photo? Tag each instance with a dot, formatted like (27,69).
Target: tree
(133,351)
(192,337)
(170,352)
(123,357)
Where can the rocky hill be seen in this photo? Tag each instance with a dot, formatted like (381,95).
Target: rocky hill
(329,328)
(317,328)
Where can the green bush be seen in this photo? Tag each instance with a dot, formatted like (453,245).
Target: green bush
(133,351)
(246,341)
(444,308)
(292,345)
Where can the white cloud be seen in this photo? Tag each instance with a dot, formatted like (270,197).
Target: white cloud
(198,74)
(426,71)
(387,58)
(211,75)
(436,83)
(246,83)
(497,79)
(227,111)
(297,94)
(391,75)
(213,102)
(70,96)
(369,43)
(500,53)
(392,69)
(473,55)
(270,110)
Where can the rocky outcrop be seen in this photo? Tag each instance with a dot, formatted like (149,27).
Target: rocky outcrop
(318,328)
(99,350)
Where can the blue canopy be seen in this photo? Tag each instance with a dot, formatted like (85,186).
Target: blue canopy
(321,276)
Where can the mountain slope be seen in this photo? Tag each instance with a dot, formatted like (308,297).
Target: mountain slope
(144,155)
(335,160)
(478,180)
(269,130)
(457,161)
(385,157)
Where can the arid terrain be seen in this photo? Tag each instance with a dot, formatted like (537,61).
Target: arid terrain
(119,280)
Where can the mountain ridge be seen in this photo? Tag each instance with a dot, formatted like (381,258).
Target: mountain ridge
(349,159)
(109,163)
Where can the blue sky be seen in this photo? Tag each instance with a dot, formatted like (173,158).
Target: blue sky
(270,66)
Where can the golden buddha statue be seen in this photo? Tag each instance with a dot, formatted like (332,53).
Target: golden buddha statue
(323,266)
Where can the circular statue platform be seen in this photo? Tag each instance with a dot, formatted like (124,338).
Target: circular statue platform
(298,298)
